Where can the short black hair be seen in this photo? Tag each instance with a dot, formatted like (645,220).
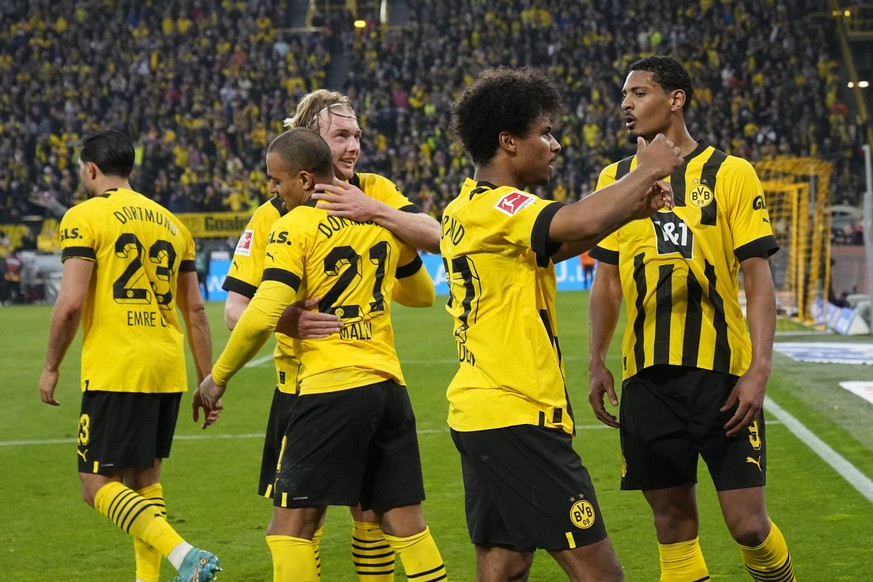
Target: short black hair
(669,73)
(302,149)
(111,151)
(502,99)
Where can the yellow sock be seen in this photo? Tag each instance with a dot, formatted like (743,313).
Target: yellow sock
(135,515)
(769,562)
(373,557)
(682,562)
(148,559)
(316,547)
(293,559)
(420,557)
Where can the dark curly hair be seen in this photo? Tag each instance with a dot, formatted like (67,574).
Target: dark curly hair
(502,99)
(668,73)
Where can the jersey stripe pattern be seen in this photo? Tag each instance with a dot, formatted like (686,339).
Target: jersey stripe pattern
(680,269)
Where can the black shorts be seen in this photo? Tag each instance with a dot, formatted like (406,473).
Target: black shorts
(351,446)
(526,488)
(280,413)
(670,415)
(118,430)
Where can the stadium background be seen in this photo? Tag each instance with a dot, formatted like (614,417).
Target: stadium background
(203,85)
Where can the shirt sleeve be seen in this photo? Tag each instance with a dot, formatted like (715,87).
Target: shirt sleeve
(78,239)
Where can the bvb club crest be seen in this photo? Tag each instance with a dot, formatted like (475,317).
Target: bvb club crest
(701,195)
(582,514)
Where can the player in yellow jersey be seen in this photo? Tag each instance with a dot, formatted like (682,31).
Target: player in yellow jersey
(128,264)
(509,411)
(370,197)
(693,378)
(351,434)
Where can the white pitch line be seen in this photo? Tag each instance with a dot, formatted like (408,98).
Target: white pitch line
(213,435)
(258,361)
(838,463)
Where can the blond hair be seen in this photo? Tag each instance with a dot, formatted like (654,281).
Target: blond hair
(310,106)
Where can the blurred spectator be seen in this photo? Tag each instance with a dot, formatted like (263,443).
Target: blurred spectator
(202,86)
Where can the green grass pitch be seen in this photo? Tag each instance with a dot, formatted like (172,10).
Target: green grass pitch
(48,533)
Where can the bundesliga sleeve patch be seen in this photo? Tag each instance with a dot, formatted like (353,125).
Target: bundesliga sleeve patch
(513,202)
(244,246)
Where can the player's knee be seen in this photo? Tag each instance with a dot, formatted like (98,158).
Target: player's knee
(88,494)
(751,530)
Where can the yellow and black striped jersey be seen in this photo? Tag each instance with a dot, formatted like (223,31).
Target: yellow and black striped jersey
(132,337)
(502,287)
(680,269)
(353,266)
(247,265)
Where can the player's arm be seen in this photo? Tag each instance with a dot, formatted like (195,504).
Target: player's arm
(414,286)
(347,200)
(298,320)
(66,315)
(638,194)
(199,339)
(196,323)
(569,250)
(415,228)
(748,394)
(234,305)
(249,335)
(604,306)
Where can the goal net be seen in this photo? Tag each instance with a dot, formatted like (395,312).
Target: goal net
(797,191)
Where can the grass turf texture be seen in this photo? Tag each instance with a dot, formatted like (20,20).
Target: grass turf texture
(48,533)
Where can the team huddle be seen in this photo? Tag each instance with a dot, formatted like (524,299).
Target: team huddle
(318,268)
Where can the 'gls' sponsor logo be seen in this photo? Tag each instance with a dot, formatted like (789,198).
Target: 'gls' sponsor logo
(758,203)
(513,202)
(278,237)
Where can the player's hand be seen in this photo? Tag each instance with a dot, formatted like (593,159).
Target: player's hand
(47,383)
(299,321)
(345,200)
(658,196)
(661,155)
(210,394)
(209,415)
(601,382)
(748,398)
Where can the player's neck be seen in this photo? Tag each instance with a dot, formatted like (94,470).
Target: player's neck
(107,183)
(493,174)
(680,136)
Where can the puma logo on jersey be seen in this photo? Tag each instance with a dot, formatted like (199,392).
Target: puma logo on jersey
(235,266)
(272,258)
(754,462)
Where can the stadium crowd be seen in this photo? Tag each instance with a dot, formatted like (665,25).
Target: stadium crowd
(203,86)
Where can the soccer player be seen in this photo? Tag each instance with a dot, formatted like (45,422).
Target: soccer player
(509,413)
(332,116)
(128,264)
(351,433)
(693,378)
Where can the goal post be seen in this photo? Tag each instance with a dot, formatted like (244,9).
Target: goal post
(797,192)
